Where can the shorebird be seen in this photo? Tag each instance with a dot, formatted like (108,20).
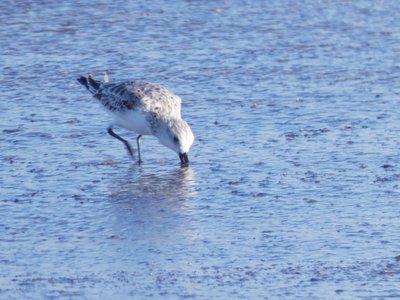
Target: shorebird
(146,109)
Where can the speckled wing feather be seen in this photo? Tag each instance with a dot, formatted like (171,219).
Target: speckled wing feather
(133,95)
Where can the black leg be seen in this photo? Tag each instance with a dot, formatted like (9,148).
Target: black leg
(112,133)
(138,142)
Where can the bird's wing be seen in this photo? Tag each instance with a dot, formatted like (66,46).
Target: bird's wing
(149,97)
(118,96)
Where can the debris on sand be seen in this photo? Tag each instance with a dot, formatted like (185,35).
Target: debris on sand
(108,162)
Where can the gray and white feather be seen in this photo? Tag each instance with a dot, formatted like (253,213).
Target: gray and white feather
(146,109)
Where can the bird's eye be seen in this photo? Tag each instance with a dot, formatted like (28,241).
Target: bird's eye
(176,140)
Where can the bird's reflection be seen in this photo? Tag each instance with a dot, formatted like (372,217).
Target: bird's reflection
(149,203)
(153,212)
(150,194)
(141,184)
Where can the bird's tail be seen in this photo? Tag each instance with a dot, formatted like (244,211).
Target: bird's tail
(91,84)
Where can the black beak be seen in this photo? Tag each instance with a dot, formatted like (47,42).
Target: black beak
(184,159)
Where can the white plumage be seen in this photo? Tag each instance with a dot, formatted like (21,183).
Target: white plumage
(146,109)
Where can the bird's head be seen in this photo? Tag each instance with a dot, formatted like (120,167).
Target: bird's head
(177,135)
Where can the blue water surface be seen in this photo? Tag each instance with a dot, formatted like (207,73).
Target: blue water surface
(293,187)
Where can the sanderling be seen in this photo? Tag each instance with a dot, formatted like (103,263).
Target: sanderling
(146,109)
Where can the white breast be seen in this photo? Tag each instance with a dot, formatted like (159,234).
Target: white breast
(132,120)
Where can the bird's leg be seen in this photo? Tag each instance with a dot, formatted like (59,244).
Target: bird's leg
(138,142)
(105,74)
(112,133)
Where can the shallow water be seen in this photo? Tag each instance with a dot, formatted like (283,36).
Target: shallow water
(293,187)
